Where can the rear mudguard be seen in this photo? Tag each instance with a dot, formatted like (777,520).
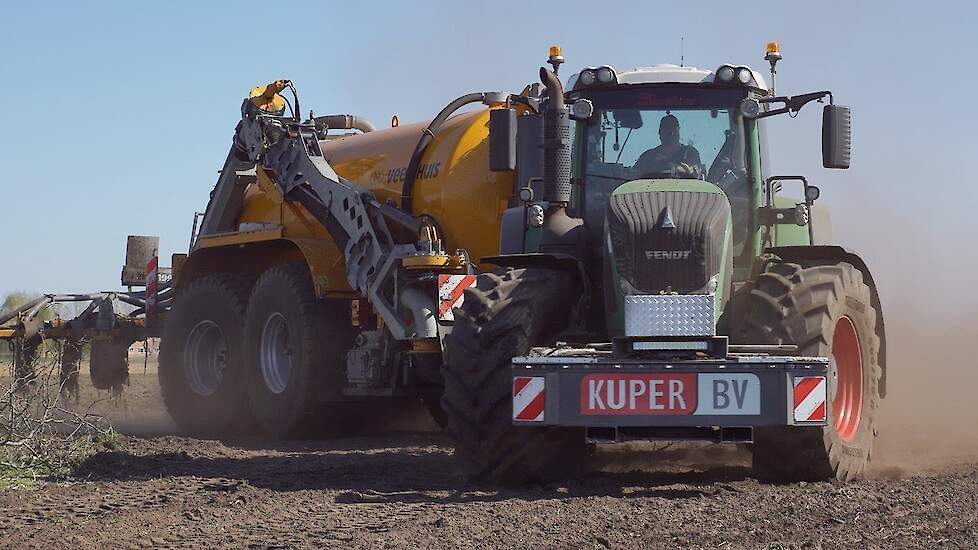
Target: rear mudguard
(564,262)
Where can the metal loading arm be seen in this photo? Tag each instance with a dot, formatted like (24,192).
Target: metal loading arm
(354,218)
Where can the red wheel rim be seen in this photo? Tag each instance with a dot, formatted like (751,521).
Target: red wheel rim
(847,405)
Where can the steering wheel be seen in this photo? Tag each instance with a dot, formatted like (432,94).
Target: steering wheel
(680,170)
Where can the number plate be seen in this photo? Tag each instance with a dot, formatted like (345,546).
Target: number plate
(653,394)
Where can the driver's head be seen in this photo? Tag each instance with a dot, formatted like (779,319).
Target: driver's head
(669,130)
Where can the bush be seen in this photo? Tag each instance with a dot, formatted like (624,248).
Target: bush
(41,435)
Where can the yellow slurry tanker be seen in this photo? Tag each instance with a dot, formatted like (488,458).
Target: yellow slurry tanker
(558,268)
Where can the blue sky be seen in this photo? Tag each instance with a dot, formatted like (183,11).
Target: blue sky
(119,114)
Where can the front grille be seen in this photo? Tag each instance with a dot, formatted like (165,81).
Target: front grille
(668,241)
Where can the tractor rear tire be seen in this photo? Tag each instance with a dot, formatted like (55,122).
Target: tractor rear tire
(201,370)
(294,351)
(502,317)
(826,310)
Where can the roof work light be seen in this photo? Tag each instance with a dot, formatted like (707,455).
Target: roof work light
(772,56)
(556,58)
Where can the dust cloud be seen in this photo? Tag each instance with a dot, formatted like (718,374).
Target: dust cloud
(928,421)
(139,411)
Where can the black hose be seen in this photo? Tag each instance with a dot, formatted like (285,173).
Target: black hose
(29,305)
(295,94)
(346,122)
(407,190)
(130,300)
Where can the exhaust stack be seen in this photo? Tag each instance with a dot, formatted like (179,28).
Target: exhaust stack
(561,233)
(556,142)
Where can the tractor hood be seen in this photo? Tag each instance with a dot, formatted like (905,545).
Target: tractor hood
(667,236)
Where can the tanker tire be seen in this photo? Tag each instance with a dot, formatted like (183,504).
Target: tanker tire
(314,335)
(805,306)
(212,303)
(502,316)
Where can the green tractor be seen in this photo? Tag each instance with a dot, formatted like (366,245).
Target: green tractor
(655,282)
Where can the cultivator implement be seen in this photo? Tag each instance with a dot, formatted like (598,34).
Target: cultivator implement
(101,325)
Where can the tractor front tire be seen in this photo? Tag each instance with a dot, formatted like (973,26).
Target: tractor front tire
(502,317)
(201,370)
(827,311)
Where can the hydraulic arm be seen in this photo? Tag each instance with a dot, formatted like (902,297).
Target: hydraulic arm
(354,218)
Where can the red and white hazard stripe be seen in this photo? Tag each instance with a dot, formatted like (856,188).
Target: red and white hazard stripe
(152,283)
(529,398)
(451,294)
(809,399)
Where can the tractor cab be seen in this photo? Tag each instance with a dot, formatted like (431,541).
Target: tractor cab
(667,123)
(665,190)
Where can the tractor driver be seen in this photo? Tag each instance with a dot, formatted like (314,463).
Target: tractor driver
(671,156)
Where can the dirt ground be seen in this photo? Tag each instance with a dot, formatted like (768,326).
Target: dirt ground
(397,490)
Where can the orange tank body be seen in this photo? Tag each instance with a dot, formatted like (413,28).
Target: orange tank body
(454,187)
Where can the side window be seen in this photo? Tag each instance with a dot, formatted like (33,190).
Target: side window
(762,140)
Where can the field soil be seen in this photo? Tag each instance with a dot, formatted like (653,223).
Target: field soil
(395,488)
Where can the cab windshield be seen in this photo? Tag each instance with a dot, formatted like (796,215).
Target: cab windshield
(662,132)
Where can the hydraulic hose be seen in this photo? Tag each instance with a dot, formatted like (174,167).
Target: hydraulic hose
(15,312)
(424,309)
(411,175)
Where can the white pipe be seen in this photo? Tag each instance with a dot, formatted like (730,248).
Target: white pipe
(423,309)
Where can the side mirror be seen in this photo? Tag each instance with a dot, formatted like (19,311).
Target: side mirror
(836,136)
(502,140)
(812,193)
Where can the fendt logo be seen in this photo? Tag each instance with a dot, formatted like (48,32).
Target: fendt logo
(667,254)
